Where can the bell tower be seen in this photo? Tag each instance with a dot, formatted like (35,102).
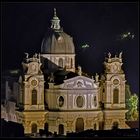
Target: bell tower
(33,95)
(115,82)
(114,93)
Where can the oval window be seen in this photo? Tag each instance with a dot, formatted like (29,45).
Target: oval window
(115,81)
(34,82)
(61,101)
(79,101)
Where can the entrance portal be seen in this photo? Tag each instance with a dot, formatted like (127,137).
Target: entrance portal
(79,125)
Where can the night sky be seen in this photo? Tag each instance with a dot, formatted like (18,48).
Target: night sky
(99,25)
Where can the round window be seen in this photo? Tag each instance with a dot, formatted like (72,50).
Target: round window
(116,82)
(61,101)
(34,82)
(79,101)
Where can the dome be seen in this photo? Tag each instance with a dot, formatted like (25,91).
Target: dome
(57,42)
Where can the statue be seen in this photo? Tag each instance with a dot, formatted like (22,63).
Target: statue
(52,78)
(109,55)
(79,70)
(120,55)
(27,55)
(96,77)
(35,55)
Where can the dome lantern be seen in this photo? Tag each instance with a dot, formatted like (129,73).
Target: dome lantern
(55,21)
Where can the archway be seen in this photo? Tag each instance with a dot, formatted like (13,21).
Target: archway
(115,125)
(61,129)
(34,128)
(95,126)
(79,125)
(46,127)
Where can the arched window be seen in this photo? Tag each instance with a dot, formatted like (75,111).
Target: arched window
(34,97)
(61,129)
(34,128)
(79,101)
(95,101)
(60,62)
(115,96)
(71,62)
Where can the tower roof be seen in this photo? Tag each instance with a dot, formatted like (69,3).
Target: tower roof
(56,41)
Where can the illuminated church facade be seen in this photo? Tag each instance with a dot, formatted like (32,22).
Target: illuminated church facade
(60,99)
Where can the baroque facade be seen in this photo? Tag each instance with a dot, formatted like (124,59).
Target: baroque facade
(62,100)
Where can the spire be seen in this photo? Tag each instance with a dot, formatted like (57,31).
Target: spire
(55,21)
(55,12)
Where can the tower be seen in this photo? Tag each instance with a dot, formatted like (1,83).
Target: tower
(33,95)
(113,94)
(57,49)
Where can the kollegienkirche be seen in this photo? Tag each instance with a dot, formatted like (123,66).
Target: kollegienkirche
(56,95)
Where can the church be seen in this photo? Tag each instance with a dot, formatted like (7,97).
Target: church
(58,97)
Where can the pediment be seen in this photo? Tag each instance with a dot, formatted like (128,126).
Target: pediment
(79,82)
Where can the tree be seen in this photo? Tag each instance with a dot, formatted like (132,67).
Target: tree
(132,103)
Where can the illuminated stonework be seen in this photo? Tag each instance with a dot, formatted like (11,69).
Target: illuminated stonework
(33,96)
(74,104)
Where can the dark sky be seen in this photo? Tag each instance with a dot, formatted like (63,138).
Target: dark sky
(96,24)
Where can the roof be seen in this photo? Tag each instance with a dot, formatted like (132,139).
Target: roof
(57,42)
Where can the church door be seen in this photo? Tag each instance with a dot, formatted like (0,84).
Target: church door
(79,125)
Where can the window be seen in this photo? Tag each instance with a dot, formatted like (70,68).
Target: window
(60,62)
(95,101)
(34,97)
(115,96)
(71,63)
(34,128)
(79,101)
(116,82)
(61,101)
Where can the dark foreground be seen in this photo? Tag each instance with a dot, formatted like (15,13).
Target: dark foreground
(11,129)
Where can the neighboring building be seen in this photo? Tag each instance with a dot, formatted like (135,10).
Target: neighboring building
(57,98)
(10,86)
(8,111)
